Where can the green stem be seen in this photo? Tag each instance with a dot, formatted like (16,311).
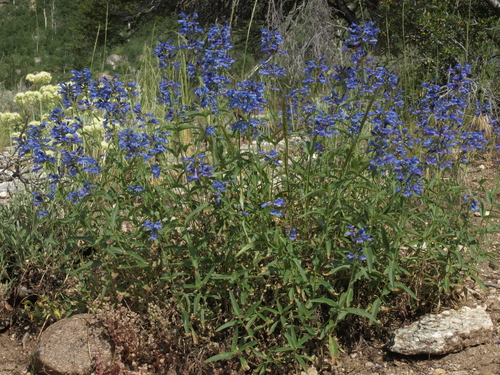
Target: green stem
(356,139)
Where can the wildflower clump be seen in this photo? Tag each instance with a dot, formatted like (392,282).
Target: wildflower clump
(266,213)
(41,78)
(7,119)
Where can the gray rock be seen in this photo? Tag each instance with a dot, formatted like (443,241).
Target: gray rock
(73,346)
(447,332)
(115,60)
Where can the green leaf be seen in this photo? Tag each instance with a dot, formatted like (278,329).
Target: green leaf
(248,345)
(234,303)
(301,270)
(244,364)
(487,197)
(291,338)
(284,349)
(251,310)
(391,272)
(375,308)
(300,359)
(226,325)
(333,346)
(114,215)
(93,263)
(50,241)
(327,301)
(405,288)
(196,211)
(480,282)
(220,357)
(133,254)
(360,312)
(247,247)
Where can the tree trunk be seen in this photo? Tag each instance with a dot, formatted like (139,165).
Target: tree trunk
(343,11)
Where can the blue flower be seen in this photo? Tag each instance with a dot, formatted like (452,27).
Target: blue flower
(166,53)
(136,188)
(292,234)
(276,213)
(219,189)
(196,168)
(271,155)
(474,204)
(76,196)
(89,164)
(270,41)
(169,92)
(355,255)
(155,170)
(249,96)
(244,126)
(271,70)
(190,30)
(357,236)
(280,202)
(322,125)
(153,227)
(38,198)
(210,130)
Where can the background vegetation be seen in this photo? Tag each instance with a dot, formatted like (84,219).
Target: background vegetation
(428,36)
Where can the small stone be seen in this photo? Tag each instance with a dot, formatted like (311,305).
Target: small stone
(439,371)
(4,195)
(369,364)
(310,371)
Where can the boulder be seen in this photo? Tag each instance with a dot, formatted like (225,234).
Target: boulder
(74,346)
(447,332)
(115,60)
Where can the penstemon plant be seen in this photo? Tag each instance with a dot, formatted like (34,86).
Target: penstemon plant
(271,209)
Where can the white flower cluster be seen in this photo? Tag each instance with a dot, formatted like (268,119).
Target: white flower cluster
(50,92)
(9,118)
(18,134)
(28,97)
(15,135)
(95,127)
(40,78)
(47,94)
